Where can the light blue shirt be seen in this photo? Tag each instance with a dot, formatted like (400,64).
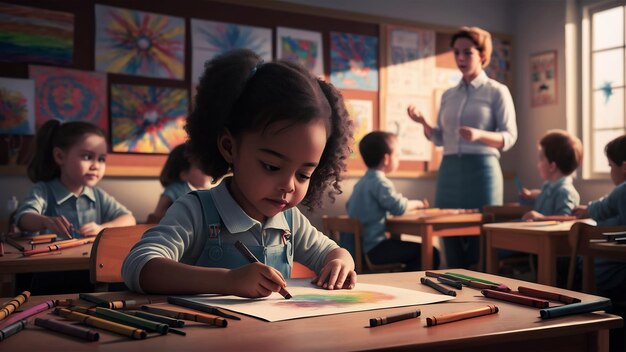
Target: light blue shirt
(374,198)
(177,189)
(557,197)
(51,198)
(178,235)
(485,104)
(611,209)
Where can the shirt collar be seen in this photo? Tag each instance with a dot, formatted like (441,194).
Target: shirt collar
(234,218)
(61,194)
(476,82)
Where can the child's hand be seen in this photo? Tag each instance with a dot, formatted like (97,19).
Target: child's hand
(59,224)
(90,229)
(581,211)
(532,215)
(255,280)
(336,275)
(525,193)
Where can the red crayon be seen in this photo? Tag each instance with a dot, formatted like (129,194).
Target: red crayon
(516,298)
(27,313)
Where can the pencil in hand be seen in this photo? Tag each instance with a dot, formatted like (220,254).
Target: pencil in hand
(252,259)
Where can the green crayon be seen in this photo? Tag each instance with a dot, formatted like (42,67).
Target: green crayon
(132,320)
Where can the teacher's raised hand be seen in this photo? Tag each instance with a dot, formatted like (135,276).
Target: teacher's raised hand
(417,116)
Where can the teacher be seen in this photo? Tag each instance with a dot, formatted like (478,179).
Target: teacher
(476,121)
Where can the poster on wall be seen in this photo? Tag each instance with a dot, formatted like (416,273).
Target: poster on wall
(410,60)
(147,119)
(35,35)
(354,61)
(139,43)
(499,67)
(70,95)
(17,106)
(303,47)
(362,113)
(413,145)
(210,39)
(543,79)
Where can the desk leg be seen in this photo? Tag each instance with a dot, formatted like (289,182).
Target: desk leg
(427,248)
(491,254)
(7,285)
(546,268)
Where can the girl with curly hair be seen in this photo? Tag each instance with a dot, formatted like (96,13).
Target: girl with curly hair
(284,135)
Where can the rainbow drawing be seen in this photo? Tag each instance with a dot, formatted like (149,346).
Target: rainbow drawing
(335,299)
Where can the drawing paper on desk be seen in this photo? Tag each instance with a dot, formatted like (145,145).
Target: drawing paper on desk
(309,301)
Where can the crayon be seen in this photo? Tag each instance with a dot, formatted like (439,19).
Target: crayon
(575,308)
(27,313)
(518,184)
(199,317)
(547,295)
(12,329)
(92,298)
(58,245)
(68,329)
(13,304)
(177,301)
(470,283)
(437,287)
(456,284)
(252,259)
(515,298)
(461,276)
(171,322)
(448,318)
(126,304)
(15,244)
(394,318)
(131,320)
(121,329)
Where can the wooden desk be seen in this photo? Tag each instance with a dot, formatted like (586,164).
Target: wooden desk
(428,225)
(609,250)
(13,262)
(514,328)
(547,242)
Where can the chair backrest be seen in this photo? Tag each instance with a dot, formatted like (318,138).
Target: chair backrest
(335,225)
(579,236)
(109,251)
(503,213)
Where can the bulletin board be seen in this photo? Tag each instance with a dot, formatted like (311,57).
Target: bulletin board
(375,101)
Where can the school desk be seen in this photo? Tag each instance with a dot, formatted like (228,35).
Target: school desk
(430,224)
(514,328)
(547,240)
(13,262)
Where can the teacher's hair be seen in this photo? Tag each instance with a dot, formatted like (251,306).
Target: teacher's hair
(480,37)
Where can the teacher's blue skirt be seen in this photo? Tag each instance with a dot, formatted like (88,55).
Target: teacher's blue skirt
(467,181)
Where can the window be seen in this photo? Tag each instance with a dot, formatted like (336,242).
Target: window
(607,66)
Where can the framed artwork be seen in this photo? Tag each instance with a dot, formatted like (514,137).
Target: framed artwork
(17,106)
(354,61)
(147,119)
(543,79)
(303,47)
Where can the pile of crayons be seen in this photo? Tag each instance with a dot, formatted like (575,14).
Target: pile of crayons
(105,315)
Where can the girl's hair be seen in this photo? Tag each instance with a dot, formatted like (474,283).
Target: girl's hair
(240,93)
(615,150)
(480,37)
(176,163)
(374,146)
(54,134)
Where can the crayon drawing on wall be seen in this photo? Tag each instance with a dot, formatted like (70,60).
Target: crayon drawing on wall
(139,43)
(361,112)
(17,106)
(147,119)
(354,61)
(309,301)
(303,47)
(70,95)
(543,79)
(210,39)
(35,35)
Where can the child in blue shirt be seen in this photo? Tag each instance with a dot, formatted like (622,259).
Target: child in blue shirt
(179,177)
(284,135)
(560,154)
(374,198)
(70,160)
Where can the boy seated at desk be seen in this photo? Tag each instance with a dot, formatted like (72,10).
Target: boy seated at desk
(560,153)
(374,197)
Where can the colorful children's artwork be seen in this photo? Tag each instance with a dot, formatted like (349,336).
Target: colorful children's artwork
(17,106)
(70,95)
(303,47)
(139,43)
(412,143)
(147,119)
(499,67)
(362,113)
(310,301)
(35,35)
(543,80)
(210,39)
(354,61)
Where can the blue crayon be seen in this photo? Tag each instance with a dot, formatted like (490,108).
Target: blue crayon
(12,329)
(518,184)
(575,308)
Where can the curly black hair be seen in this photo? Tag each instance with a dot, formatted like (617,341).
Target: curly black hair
(239,93)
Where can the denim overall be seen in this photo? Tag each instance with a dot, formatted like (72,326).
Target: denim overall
(78,211)
(218,252)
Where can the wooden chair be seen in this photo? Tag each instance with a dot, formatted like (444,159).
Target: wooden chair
(108,252)
(580,235)
(334,226)
(301,271)
(504,213)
